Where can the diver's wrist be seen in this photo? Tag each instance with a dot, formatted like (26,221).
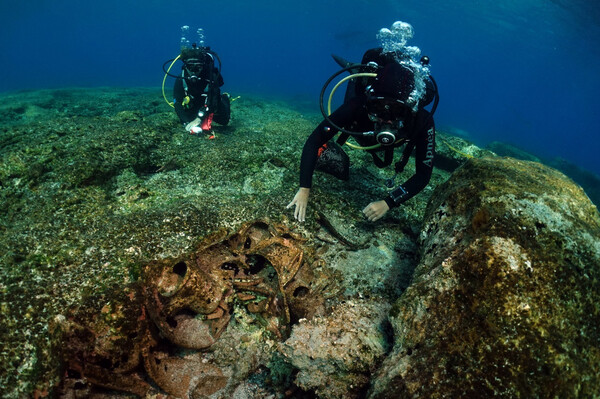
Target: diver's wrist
(390,202)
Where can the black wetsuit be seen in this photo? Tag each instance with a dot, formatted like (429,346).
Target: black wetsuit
(204,94)
(419,134)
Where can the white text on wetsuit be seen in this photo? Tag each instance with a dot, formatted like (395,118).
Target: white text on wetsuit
(429,155)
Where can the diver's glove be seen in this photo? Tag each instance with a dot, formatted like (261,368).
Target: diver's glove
(192,125)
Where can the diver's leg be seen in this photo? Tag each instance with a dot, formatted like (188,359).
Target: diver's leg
(224,110)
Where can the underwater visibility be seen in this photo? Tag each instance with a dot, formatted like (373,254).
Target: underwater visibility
(252,201)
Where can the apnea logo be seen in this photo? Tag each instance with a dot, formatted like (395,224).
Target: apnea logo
(429,154)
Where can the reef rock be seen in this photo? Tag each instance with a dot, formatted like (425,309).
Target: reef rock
(335,355)
(589,181)
(452,151)
(505,301)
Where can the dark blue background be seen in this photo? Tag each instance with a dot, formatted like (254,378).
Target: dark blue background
(521,71)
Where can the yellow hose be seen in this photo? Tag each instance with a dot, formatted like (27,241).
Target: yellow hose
(356,75)
(468,156)
(165,79)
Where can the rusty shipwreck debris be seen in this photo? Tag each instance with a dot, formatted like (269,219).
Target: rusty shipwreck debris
(157,341)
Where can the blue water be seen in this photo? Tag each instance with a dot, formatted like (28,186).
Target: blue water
(518,71)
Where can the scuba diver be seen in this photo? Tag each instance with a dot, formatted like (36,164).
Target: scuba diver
(383,109)
(197,97)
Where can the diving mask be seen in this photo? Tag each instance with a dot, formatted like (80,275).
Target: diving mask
(194,69)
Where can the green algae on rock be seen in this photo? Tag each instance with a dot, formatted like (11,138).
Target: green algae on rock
(453,151)
(589,181)
(505,300)
(97,183)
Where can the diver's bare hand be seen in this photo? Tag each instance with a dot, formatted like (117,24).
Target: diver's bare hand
(375,210)
(301,202)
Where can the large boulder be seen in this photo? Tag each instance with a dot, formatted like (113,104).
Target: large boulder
(505,301)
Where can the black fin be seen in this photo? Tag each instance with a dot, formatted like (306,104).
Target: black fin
(342,62)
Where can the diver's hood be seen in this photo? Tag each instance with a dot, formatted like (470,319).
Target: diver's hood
(195,59)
